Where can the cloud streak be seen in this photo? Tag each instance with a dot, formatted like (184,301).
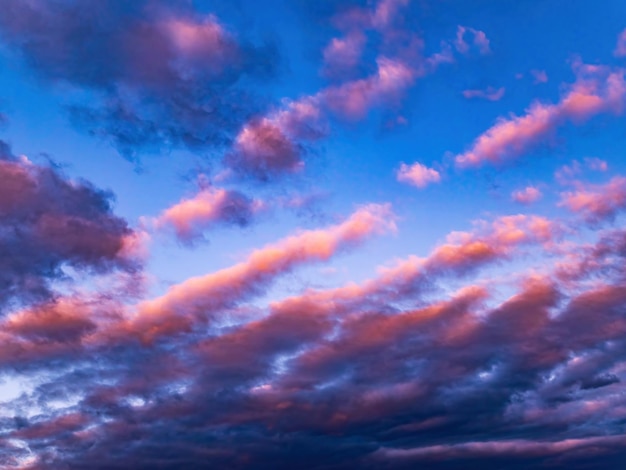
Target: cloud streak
(209,207)
(597,90)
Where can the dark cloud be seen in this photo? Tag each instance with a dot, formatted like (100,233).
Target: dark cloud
(48,222)
(161,75)
(340,378)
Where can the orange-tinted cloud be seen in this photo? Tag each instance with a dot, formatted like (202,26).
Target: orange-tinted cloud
(203,296)
(210,206)
(597,90)
(597,202)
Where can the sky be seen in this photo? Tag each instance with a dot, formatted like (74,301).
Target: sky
(328,234)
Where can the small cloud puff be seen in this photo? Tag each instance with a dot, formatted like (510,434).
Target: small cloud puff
(417,175)
(527,195)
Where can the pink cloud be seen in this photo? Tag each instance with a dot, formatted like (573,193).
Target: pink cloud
(597,90)
(479,41)
(198,42)
(444,56)
(343,54)
(209,207)
(269,145)
(417,175)
(490,93)
(527,195)
(60,321)
(520,447)
(597,202)
(354,100)
(510,136)
(203,295)
(380,18)
(277,142)
(386,11)
(52,428)
(462,252)
(567,173)
(466,250)
(596,164)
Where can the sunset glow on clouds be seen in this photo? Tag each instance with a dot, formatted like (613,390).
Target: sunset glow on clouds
(334,234)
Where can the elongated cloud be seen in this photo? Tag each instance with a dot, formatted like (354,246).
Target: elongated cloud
(210,206)
(460,254)
(526,450)
(490,93)
(597,203)
(598,90)
(204,295)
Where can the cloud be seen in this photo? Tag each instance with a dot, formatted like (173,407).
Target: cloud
(528,195)
(397,372)
(490,93)
(354,100)
(59,321)
(525,450)
(417,175)
(277,143)
(176,80)
(50,222)
(597,90)
(500,345)
(205,295)
(210,206)
(479,41)
(540,76)
(567,173)
(597,203)
(343,55)
(269,146)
